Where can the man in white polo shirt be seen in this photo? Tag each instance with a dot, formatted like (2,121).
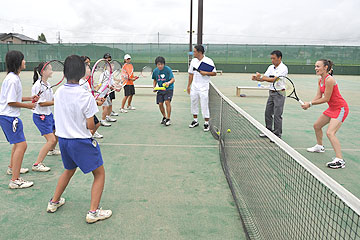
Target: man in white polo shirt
(275,102)
(200,70)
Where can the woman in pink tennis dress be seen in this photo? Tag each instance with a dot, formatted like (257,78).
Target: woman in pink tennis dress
(335,115)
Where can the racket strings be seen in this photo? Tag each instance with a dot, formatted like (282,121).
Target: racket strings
(146,71)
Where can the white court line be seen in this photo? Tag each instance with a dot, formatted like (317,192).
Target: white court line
(140,145)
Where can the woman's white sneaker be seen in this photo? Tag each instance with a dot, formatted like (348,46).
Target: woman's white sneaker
(99,214)
(317,148)
(22,170)
(20,183)
(40,168)
(336,163)
(53,206)
(97,135)
(53,152)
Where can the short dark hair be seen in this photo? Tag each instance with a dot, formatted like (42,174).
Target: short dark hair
(200,48)
(159,59)
(84,58)
(13,61)
(74,68)
(277,53)
(107,55)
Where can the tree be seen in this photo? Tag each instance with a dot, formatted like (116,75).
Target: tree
(42,37)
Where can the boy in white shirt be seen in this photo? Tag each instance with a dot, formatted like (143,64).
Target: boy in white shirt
(11,101)
(74,109)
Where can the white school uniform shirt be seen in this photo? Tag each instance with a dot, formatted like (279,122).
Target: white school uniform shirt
(278,71)
(47,95)
(200,82)
(73,105)
(11,91)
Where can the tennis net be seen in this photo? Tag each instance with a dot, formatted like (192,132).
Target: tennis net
(279,193)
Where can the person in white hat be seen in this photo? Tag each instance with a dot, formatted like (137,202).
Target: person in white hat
(129,89)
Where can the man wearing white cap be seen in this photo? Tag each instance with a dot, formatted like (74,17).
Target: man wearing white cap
(127,73)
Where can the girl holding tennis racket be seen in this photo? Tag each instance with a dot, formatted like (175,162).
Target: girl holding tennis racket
(85,82)
(11,100)
(129,89)
(335,115)
(42,115)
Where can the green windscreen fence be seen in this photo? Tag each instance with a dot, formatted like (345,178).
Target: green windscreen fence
(232,57)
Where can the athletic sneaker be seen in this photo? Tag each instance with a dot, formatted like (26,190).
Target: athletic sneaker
(114,114)
(317,148)
(163,120)
(123,110)
(40,168)
(53,152)
(20,183)
(167,122)
(262,135)
(193,124)
(109,119)
(206,127)
(105,124)
(97,135)
(53,206)
(130,108)
(22,170)
(99,214)
(336,163)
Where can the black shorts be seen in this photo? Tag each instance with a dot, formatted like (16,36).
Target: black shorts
(96,120)
(129,90)
(162,96)
(112,95)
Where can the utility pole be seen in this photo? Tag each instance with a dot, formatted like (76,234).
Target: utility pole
(200,22)
(190,32)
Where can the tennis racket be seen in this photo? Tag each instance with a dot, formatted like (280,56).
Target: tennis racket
(101,77)
(53,70)
(146,71)
(159,88)
(116,67)
(285,87)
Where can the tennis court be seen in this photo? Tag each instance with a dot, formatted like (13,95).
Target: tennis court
(165,183)
(161,183)
(298,124)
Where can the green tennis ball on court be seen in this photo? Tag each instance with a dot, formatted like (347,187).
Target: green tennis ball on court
(229,130)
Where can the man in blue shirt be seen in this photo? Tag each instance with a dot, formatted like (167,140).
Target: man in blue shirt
(163,77)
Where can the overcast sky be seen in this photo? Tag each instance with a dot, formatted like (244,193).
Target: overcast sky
(335,22)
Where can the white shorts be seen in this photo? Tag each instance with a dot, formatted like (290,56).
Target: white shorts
(107,102)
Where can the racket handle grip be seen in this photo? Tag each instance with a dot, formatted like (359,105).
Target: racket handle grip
(301,102)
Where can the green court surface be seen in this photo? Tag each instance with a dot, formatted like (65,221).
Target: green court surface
(161,182)
(298,124)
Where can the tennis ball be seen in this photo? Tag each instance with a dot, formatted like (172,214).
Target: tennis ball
(229,130)
(184,90)
(164,84)
(218,133)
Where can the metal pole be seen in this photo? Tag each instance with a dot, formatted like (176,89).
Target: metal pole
(200,22)
(191,10)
